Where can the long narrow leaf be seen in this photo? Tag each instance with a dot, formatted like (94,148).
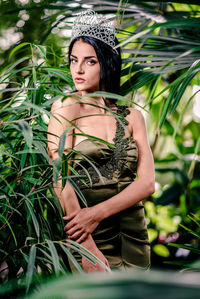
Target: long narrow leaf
(55,257)
(30,268)
(4,220)
(34,218)
(71,257)
(17,48)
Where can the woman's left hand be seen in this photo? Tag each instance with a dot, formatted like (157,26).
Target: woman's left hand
(81,223)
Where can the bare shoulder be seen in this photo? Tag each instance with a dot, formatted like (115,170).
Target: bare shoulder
(137,123)
(135,117)
(66,105)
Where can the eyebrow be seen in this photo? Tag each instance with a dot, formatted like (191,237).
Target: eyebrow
(86,57)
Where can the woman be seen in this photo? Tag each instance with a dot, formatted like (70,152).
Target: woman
(112,226)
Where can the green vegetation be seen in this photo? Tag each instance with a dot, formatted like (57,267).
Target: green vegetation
(161,46)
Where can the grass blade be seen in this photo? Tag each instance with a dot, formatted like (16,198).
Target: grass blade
(30,268)
(34,219)
(55,257)
(4,220)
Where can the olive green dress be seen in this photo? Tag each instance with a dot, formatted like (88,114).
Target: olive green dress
(104,171)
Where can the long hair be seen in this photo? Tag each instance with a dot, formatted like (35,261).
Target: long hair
(110,63)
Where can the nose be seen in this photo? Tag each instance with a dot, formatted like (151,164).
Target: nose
(80,68)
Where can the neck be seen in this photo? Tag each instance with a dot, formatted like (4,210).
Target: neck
(90,99)
(95,100)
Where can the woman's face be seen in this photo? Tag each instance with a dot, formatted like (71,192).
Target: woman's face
(84,67)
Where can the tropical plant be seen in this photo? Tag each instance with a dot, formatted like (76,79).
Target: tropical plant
(191,247)
(160,49)
(32,239)
(132,284)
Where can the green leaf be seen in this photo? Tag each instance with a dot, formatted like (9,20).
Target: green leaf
(62,74)
(195,219)
(64,169)
(191,231)
(54,256)
(5,221)
(77,190)
(193,163)
(31,267)
(90,137)
(181,91)
(56,169)
(42,150)
(27,132)
(17,48)
(11,188)
(71,257)
(24,156)
(8,74)
(34,218)
(167,104)
(87,254)
(61,146)
(190,248)
(134,37)
(42,50)
(34,76)
(110,95)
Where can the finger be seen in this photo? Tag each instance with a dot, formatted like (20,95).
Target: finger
(82,238)
(73,230)
(69,225)
(76,235)
(107,263)
(70,216)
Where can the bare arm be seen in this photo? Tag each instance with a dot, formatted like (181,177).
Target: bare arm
(142,187)
(62,115)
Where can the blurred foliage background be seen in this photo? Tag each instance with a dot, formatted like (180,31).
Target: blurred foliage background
(160,44)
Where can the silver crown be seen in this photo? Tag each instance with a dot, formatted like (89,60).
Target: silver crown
(89,23)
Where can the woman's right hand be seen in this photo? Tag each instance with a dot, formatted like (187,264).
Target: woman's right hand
(86,264)
(89,267)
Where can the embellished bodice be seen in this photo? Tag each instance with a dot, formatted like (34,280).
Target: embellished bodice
(98,164)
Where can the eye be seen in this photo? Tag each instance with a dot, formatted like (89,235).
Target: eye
(73,60)
(91,62)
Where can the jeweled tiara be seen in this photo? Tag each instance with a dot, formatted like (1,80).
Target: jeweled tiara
(89,23)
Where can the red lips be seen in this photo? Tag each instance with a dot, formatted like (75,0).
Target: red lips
(79,80)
